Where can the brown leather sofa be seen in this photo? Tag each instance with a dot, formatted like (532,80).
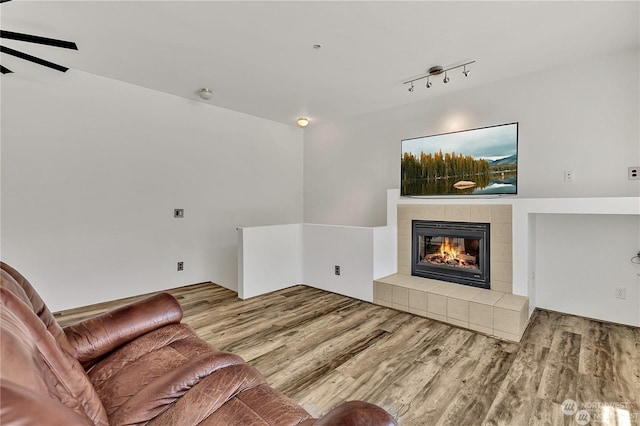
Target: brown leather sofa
(132,366)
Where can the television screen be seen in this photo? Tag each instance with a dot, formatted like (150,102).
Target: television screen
(480,161)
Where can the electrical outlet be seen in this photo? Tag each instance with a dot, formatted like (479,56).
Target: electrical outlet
(336,270)
(634,173)
(178,213)
(621,293)
(568,176)
(180,266)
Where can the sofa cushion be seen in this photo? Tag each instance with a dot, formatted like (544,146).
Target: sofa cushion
(163,375)
(259,406)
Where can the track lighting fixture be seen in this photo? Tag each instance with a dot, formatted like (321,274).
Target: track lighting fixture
(437,70)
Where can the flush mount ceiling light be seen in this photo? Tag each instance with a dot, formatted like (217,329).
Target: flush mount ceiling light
(437,70)
(205,93)
(303,121)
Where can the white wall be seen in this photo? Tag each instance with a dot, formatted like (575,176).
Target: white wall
(269,259)
(581,259)
(385,251)
(274,257)
(582,116)
(92,169)
(351,248)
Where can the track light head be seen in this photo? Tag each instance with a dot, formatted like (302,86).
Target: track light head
(446,78)
(411,88)
(465,71)
(429,84)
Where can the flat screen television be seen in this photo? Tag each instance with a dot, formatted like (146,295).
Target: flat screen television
(481,161)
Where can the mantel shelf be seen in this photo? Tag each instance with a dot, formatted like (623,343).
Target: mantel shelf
(591,205)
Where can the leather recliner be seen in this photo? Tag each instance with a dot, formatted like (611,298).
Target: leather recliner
(132,366)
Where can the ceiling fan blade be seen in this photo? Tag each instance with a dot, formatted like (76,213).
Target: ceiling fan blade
(5,70)
(33,59)
(37,39)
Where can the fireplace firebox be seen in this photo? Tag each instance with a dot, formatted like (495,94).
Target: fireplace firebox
(457,252)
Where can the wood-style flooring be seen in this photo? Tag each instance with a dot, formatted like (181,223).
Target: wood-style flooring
(321,349)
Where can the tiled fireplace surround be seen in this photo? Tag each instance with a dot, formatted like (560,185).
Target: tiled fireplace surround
(496,312)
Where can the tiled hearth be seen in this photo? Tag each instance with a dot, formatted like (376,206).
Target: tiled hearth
(491,312)
(496,312)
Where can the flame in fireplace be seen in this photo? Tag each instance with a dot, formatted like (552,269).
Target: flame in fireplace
(447,251)
(452,252)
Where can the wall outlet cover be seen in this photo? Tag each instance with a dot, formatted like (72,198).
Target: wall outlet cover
(568,176)
(634,173)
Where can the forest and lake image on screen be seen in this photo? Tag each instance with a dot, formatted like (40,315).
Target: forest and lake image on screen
(480,161)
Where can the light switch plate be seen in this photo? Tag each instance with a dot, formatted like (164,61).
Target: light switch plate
(634,173)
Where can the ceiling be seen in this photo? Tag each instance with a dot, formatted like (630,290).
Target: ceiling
(258,57)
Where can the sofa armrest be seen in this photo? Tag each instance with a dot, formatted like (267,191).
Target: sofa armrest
(356,413)
(97,336)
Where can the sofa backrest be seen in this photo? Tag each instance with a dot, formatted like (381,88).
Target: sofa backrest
(22,288)
(36,370)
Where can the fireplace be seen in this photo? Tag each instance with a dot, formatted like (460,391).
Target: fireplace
(457,252)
